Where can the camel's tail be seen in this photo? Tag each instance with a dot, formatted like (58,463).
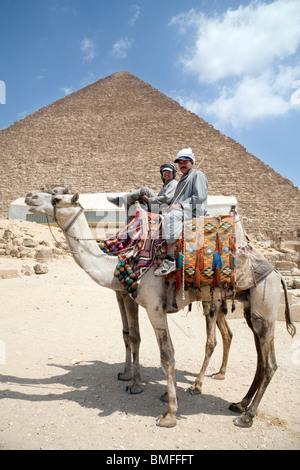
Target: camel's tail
(288,321)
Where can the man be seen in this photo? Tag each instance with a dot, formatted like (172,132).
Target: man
(153,202)
(189,201)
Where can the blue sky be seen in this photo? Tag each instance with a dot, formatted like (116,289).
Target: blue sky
(234,63)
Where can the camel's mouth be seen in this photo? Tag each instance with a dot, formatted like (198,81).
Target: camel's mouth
(31,204)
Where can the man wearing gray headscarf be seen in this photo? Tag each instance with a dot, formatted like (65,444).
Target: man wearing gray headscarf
(151,201)
(189,201)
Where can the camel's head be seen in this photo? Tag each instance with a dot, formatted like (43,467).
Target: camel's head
(44,202)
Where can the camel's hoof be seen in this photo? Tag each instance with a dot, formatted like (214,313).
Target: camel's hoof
(236,408)
(165,397)
(218,376)
(166,421)
(124,377)
(243,421)
(134,389)
(194,391)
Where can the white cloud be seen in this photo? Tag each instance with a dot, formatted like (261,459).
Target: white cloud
(241,41)
(120,48)
(190,103)
(67,90)
(185,21)
(252,49)
(88,50)
(253,99)
(136,11)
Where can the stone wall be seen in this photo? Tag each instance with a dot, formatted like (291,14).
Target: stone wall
(114,134)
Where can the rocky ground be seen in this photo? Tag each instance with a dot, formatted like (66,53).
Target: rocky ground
(61,349)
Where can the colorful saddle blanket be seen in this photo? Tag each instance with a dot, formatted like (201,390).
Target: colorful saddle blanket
(207,250)
(205,254)
(136,246)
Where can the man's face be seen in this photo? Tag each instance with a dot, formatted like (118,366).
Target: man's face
(167,175)
(185,166)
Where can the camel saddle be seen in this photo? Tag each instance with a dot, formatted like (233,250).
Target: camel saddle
(205,254)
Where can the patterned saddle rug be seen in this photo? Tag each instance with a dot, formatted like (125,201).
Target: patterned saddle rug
(204,255)
(137,246)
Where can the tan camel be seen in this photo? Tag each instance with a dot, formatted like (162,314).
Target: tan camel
(261,306)
(131,333)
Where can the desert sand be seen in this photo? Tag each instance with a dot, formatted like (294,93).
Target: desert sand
(61,351)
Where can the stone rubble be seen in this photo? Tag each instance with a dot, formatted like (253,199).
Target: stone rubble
(20,239)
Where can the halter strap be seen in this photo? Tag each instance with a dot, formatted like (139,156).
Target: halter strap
(58,205)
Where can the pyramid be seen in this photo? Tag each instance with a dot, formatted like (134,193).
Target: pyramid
(114,134)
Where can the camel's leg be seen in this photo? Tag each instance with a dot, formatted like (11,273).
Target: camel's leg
(132,340)
(126,374)
(211,343)
(263,376)
(226,334)
(264,306)
(159,322)
(241,407)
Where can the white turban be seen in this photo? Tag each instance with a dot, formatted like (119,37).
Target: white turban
(185,154)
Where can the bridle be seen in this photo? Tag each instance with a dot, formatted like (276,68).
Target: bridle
(57,205)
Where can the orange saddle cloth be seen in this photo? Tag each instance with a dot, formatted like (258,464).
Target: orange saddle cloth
(206,253)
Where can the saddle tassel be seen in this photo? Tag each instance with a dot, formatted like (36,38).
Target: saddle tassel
(197,279)
(217,266)
(178,279)
(199,267)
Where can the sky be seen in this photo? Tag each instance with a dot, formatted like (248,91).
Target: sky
(234,63)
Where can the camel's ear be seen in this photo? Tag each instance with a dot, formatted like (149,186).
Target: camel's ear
(48,190)
(75,198)
(66,190)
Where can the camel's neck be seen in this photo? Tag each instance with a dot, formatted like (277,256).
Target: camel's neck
(86,252)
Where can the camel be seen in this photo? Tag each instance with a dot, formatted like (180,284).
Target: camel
(131,335)
(261,304)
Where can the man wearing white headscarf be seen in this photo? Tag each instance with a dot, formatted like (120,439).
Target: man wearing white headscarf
(189,201)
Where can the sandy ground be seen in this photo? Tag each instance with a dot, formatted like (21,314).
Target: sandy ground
(61,349)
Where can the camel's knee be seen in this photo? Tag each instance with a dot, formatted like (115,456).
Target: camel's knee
(134,342)
(210,345)
(166,349)
(259,324)
(228,335)
(270,371)
(125,335)
(134,339)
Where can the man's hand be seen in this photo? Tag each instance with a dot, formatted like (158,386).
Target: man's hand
(145,198)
